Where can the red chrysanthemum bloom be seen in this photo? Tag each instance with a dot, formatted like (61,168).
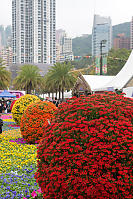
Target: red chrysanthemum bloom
(87,152)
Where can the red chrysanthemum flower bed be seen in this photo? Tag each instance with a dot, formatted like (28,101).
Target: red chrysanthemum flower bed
(87,152)
(35,119)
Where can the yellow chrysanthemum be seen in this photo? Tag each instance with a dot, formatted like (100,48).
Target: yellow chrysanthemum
(20,106)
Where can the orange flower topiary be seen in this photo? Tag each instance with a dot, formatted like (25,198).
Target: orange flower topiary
(35,118)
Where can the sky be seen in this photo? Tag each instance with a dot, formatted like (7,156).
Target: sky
(76,16)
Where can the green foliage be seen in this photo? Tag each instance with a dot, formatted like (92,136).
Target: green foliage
(5,76)
(82,63)
(116,60)
(28,78)
(59,78)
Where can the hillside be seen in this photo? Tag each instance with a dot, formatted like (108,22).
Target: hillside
(82,45)
(121,28)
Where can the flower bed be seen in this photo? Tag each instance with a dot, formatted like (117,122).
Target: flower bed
(87,152)
(17,166)
(20,106)
(35,119)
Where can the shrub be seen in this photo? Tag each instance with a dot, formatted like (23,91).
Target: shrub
(20,105)
(87,152)
(35,119)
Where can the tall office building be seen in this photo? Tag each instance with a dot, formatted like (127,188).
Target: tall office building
(102,30)
(34,31)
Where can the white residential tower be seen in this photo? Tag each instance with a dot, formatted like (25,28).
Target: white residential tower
(34,31)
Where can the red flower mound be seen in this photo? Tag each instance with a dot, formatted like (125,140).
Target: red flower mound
(87,152)
(35,119)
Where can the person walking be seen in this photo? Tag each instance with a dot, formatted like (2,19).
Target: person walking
(1,124)
(0,107)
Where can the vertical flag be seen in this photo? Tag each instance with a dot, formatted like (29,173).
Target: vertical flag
(97,60)
(104,65)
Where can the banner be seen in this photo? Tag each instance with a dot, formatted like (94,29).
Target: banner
(97,65)
(104,65)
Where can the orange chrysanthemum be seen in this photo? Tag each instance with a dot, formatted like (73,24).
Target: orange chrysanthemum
(35,118)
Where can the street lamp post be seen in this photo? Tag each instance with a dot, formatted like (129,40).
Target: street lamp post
(101,58)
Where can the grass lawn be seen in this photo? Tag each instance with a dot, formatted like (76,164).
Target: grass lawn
(17,164)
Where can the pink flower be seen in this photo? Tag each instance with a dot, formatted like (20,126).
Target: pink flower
(24,198)
(39,190)
(34,194)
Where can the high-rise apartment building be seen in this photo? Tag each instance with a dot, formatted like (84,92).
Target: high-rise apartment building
(63,47)
(102,31)
(6,56)
(34,31)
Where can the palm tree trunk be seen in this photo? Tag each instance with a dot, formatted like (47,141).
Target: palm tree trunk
(62,94)
(56,93)
(59,92)
(27,89)
(30,88)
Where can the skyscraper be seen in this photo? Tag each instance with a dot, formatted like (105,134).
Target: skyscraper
(34,31)
(102,30)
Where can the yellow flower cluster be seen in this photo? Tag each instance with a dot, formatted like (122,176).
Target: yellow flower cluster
(9,120)
(14,155)
(20,106)
(11,134)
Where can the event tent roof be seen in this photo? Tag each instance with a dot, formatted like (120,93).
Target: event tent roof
(123,77)
(6,94)
(96,81)
(119,81)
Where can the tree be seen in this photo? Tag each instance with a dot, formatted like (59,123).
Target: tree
(116,60)
(60,78)
(5,76)
(28,78)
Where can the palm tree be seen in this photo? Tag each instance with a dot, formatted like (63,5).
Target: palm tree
(28,78)
(60,78)
(5,76)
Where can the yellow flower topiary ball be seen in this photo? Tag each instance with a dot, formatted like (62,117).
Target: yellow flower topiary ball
(20,106)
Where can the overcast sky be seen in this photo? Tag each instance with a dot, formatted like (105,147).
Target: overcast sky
(76,16)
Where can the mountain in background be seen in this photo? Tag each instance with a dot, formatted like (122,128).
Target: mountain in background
(83,45)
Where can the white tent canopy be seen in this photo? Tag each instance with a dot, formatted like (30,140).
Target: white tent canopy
(97,81)
(123,77)
(101,83)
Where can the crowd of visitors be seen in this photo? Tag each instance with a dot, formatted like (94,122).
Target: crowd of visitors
(5,106)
